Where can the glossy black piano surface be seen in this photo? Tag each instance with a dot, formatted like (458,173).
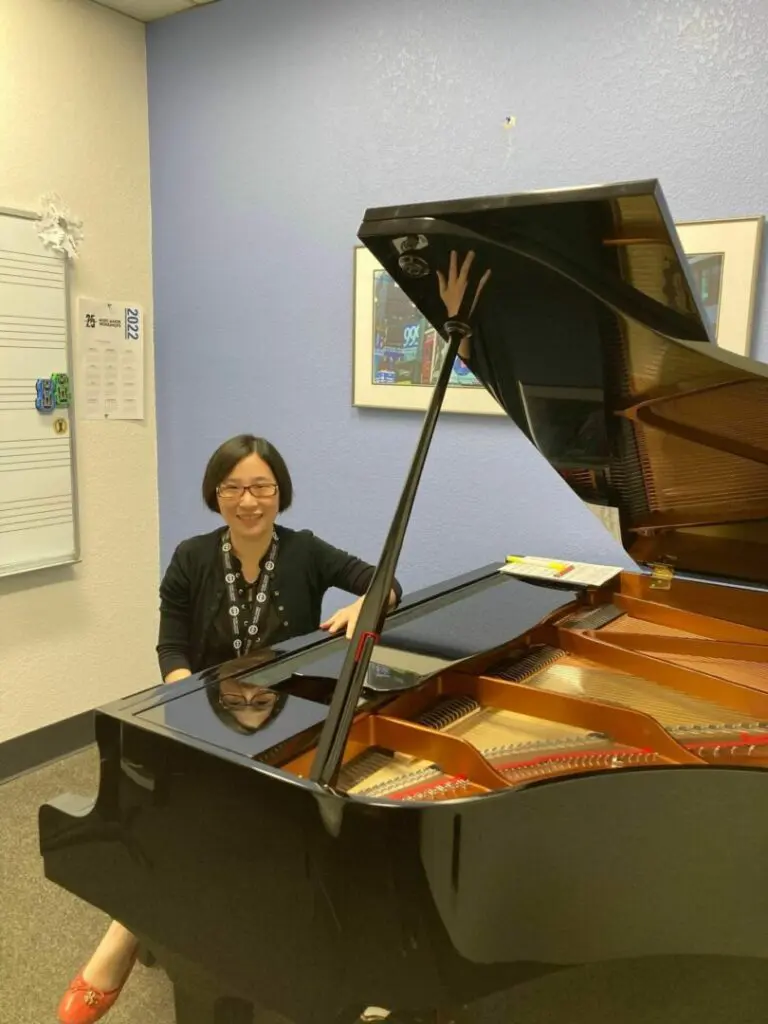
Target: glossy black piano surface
(534,778)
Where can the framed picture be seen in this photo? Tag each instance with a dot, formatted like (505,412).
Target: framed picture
(725,259)
(397,353)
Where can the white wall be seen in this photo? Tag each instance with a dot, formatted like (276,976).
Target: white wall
(73,119)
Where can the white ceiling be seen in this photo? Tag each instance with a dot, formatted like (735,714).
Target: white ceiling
(151,10)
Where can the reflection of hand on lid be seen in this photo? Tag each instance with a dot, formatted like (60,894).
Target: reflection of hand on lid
(453,289)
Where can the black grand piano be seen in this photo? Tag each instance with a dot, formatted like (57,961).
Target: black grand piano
(502,779)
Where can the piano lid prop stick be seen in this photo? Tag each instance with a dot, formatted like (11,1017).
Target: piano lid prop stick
(370,622)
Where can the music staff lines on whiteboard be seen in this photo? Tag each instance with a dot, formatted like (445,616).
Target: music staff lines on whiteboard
(32,455)
(22,460)
(27,270)
(23,320)
(45,507)
(42,264)
(40,521)
(15,393)
(33,442)
(32,257)
(51,507)
(16,504)
(18,329)
(32,332)
(47,464)
(45,453)
(60,463)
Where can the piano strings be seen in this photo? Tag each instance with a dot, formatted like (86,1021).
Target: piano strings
(522,748)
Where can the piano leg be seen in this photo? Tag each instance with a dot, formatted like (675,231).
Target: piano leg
(196,1008)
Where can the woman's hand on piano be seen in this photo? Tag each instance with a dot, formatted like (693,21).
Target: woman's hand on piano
(453,288)
(346,618)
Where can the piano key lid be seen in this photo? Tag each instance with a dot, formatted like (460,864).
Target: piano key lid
(592,337)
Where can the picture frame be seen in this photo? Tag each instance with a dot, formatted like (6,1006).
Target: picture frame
(725,260)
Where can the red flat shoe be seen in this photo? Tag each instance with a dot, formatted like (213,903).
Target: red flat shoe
(83,1003)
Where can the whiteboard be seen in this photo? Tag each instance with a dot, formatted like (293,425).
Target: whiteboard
(38,492)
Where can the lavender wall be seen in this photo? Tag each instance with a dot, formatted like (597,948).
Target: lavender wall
(274,125)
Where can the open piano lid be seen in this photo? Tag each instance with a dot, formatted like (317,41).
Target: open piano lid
(590,336)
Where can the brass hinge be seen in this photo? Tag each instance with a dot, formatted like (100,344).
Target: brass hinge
(662,574)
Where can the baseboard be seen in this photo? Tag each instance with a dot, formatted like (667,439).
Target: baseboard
(34,749)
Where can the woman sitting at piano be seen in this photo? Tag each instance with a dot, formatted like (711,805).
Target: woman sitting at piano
(246,586)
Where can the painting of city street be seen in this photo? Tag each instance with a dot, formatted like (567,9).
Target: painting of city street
(406,348)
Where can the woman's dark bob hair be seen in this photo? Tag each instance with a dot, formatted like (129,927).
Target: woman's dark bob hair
(227,456)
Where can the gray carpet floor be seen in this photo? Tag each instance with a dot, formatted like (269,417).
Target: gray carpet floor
(46,935)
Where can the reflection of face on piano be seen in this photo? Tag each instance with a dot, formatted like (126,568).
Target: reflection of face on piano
(248,705)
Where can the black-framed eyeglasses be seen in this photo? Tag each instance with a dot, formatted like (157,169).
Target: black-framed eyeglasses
(234,492)
(235,702)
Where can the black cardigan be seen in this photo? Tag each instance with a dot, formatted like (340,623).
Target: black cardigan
(193,588)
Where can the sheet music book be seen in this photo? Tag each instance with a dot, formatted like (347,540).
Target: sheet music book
(560,571)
